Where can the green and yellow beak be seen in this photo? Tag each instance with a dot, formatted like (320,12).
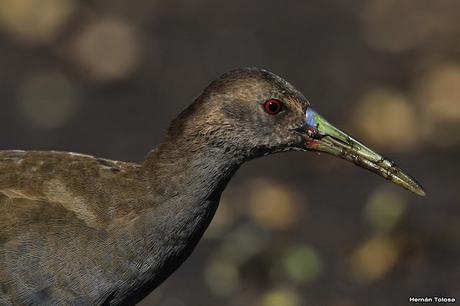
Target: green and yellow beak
(322,136)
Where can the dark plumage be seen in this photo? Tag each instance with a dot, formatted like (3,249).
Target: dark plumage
(75,229)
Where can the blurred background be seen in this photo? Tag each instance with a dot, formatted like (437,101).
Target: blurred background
(105,77)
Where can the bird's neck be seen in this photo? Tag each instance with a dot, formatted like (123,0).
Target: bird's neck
(187,181)
(189,170)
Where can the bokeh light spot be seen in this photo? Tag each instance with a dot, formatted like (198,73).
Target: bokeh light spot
(222,276)
(281,297)
(222,271)
(374,258)
(302,264)
(275,205)
(35,21)
(387,119)
(384,209)
(107,50)
(438,94)
(244,242)
(48,100)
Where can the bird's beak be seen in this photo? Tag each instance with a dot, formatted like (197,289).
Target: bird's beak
(322,136)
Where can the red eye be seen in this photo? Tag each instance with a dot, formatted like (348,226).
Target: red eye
(273,106)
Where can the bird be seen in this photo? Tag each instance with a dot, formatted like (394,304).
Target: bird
(82,230)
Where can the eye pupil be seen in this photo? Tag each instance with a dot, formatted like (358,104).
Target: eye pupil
(272,106)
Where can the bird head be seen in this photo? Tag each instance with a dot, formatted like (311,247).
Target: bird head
(253,112)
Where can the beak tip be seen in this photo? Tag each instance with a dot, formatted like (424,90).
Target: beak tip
(421,192)
(413,186)
(417,189)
